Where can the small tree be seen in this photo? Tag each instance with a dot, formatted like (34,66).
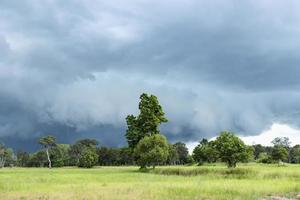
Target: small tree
(152,150)
(59,155)
(232,149)
(38,159)
(264,158)
(3,155)
(295,154)
(76,150)
(279,153)
(173,155)
(182,152)
(281,141)
(10,157)
(258,149)
(88,158)
(48,142)
(22,158)
(205,152)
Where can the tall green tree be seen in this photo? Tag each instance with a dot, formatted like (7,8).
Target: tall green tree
(146,123)
(48,142)
(152,150)
(232,149)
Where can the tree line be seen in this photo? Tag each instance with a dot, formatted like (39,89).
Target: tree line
(147,147)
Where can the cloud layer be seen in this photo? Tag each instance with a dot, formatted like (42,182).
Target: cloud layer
(76,68)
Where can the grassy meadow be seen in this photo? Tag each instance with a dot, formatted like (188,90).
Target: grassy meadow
(250,181)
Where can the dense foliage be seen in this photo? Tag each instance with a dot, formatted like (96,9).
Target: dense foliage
(64,155)
(88,158)
(232,149)
(152,150)
(205,152)
(147,147)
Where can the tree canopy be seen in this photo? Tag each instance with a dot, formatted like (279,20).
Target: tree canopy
(232,149)
(152,150)
(205,152)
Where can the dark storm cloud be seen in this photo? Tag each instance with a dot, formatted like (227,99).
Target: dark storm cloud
(77,68)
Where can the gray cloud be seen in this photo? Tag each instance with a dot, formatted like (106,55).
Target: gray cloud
(77,68)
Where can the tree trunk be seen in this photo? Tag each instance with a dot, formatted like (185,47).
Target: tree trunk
(49,161)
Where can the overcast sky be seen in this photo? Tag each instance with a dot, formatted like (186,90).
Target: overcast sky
(76,68)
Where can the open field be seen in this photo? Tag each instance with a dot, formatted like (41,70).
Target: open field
(127,183)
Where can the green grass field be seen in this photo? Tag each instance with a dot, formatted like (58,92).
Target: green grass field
(127,183)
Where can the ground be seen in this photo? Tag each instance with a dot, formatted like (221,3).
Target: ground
(251,181)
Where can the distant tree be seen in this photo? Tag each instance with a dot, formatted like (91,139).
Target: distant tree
(114,156)
(147,122)
(190,160)
(59,155)
(258,149)
(205,152)
(90,143)
(295,154)
(22,158)
(173,157)
(279,153)
(126,156)
(10,157)
(282,141)
(3,155)
(232,149)
(38,159)
(76,150)
(182,152)
(103,156)
(152,150)
(88,158)
(48,142)
(264,157)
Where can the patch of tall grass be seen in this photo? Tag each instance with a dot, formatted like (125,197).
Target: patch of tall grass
(207,171)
